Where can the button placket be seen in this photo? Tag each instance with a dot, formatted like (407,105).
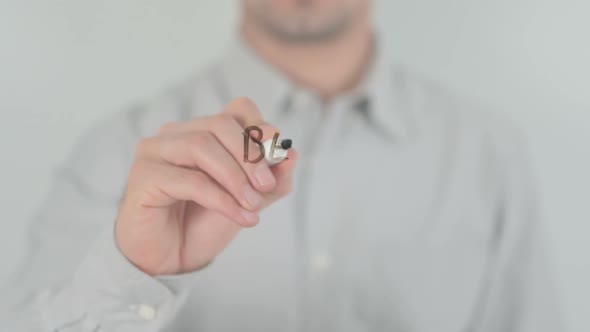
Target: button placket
(144,311)
(321,262)
(311,120)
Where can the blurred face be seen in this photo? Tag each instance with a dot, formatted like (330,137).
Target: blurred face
(305,20)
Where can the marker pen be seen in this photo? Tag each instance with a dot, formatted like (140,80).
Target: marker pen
(280,150)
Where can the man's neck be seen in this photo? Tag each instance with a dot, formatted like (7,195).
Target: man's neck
(330,68)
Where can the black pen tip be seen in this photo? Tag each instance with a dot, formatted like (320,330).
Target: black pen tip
(286,144)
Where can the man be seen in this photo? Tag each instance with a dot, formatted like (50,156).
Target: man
(409,211)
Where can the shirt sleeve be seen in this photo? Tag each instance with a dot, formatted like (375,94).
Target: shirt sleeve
(74,278)
(520,294)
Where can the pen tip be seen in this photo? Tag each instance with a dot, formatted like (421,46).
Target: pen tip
(286,144)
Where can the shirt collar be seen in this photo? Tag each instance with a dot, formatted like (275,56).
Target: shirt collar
(382,93)
(246,74)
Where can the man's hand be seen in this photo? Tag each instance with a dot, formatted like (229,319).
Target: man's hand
(189,191)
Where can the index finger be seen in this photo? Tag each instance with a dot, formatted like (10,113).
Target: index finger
(245,111)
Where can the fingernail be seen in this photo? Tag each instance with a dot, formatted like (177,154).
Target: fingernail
(253,198)
(264,176)
(249,216)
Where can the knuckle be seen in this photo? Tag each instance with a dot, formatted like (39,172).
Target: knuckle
(168,127)
(237,180)
(144,145)
(138,167)
(225,201)
(200,139)
(139,170)
(194,179)
(224,118)
(242,105)
(245,102)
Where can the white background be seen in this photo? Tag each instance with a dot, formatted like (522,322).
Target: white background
(66,63)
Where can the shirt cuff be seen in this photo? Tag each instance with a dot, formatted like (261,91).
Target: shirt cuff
(111,292)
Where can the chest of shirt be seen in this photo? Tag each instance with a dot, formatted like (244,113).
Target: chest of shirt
(374,235)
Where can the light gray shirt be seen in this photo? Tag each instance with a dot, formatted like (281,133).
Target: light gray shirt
(413,210)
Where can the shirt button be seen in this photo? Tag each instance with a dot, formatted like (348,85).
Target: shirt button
(321,261)
(146,312)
